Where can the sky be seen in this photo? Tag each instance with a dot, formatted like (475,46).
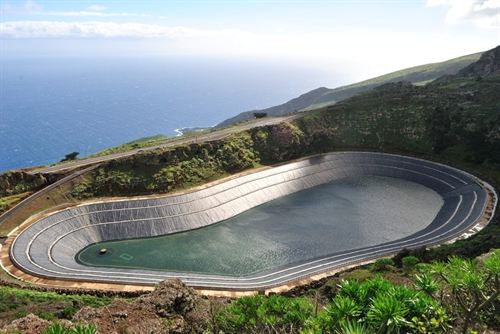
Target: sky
(364,37)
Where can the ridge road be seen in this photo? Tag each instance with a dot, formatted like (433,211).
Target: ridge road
(216,135)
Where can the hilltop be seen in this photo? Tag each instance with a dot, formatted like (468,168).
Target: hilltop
(325,96)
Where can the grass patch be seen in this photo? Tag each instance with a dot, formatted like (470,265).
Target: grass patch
(16,303)
(135,144)
(8,202)
(12,298)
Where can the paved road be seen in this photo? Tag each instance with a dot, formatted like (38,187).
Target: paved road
(216,135)
(28,200)
(91,163)
(48,247)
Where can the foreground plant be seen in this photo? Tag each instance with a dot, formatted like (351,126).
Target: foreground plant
(473,287)
(57,328)
(261,314)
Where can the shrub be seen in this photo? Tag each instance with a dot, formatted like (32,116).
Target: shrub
(474,288)
(56,328)
(383,264)
(409,262)
(46,315)
(261,314)
(83,329)
(382,307)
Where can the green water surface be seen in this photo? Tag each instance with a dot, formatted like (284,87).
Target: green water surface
(333,217)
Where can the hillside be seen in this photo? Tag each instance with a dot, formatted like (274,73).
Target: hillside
(455,120)
(325,96)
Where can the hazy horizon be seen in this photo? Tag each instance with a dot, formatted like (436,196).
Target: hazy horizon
(355,36)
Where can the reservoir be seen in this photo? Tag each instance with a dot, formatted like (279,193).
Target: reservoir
(344,214)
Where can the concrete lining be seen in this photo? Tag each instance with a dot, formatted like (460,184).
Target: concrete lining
(47,248)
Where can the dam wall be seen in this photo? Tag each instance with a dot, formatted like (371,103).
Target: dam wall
(48,247)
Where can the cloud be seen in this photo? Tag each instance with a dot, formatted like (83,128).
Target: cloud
(96,8)
(483,13)
(99,29)
(87,13)
(35,9)
(32,6)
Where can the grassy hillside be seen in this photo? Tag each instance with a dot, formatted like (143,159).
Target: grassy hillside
(455,120)
(323,96)
(135,144)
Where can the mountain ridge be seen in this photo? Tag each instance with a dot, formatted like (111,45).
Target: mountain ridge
(326,96)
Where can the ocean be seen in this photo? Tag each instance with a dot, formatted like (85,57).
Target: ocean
(52,106)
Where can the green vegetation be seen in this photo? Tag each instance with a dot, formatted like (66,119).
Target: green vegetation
(323,97)
(20,297)
(148,142)
(456,296)
(409,262)
(168,169)
(376,305)
(70,156)
(383,264)
(17,182)
(471,286)
(135,144)
(58,328)
(261,314)
(15,302)
(8,202)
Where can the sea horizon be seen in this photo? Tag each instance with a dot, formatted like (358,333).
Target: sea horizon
(56,105)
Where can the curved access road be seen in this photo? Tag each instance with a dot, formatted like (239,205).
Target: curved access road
(216,135)
(47,248)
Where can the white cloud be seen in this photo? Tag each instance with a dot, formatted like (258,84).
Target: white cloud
(99,29)
(483,13)
(87,13)
(96,8)
(33,8)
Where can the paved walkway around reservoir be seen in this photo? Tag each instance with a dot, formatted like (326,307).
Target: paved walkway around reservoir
(43,250)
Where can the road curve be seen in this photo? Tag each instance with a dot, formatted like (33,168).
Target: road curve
(48,247)
(216,135)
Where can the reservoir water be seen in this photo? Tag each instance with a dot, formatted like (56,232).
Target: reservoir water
(337,216)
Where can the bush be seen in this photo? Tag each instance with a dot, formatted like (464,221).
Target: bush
(261,314)
(409,262)
(46,315)
(382,307)
(473,288)
(383,264)
(57,328)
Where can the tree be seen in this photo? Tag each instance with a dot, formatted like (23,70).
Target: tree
(473,287)
(259,114)
(70,156)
